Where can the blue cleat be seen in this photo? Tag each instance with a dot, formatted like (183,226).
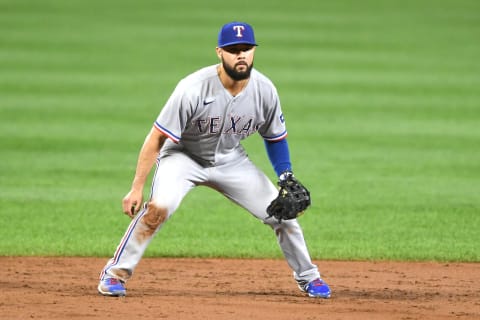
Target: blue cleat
(316,289)
(112,287)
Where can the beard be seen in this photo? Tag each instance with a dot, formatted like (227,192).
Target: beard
(237,75)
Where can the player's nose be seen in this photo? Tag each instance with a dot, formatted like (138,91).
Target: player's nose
(242,55)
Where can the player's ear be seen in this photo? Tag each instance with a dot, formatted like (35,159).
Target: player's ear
(219,52)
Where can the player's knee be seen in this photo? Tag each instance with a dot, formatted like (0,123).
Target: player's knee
(154,216)
(288,226)
(275,224)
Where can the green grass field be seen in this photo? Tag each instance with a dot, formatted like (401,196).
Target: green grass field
(382,101)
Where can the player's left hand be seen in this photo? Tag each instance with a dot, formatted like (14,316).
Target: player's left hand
(292,200)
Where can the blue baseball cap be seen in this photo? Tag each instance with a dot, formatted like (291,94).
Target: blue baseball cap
(236,33)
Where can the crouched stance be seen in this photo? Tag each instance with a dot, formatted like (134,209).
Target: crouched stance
(196,141)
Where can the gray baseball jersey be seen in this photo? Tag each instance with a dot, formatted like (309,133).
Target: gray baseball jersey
(205,121)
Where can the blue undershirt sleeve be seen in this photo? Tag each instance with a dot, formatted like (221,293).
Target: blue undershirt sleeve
(279,155)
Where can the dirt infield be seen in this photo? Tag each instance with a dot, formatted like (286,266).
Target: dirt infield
(65,288)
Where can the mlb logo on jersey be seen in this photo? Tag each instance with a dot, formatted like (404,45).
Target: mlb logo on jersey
(236,33)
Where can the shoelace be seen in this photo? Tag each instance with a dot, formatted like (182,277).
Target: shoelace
(317,283)
(114,281)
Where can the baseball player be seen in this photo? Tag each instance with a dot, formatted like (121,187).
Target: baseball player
(196,141)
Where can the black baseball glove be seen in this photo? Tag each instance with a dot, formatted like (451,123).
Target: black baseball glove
(293,199)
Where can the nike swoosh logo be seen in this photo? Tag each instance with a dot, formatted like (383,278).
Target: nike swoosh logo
(207,101)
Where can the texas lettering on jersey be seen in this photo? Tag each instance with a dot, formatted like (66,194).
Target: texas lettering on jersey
(234,124)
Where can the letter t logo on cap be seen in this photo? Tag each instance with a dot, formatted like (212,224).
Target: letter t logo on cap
(239,30)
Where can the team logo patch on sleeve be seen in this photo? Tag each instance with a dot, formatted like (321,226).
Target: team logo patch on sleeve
(282,119)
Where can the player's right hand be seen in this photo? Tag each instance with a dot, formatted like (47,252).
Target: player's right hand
(132,202)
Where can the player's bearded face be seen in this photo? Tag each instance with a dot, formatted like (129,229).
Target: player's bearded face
(239,71)
(237,61)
